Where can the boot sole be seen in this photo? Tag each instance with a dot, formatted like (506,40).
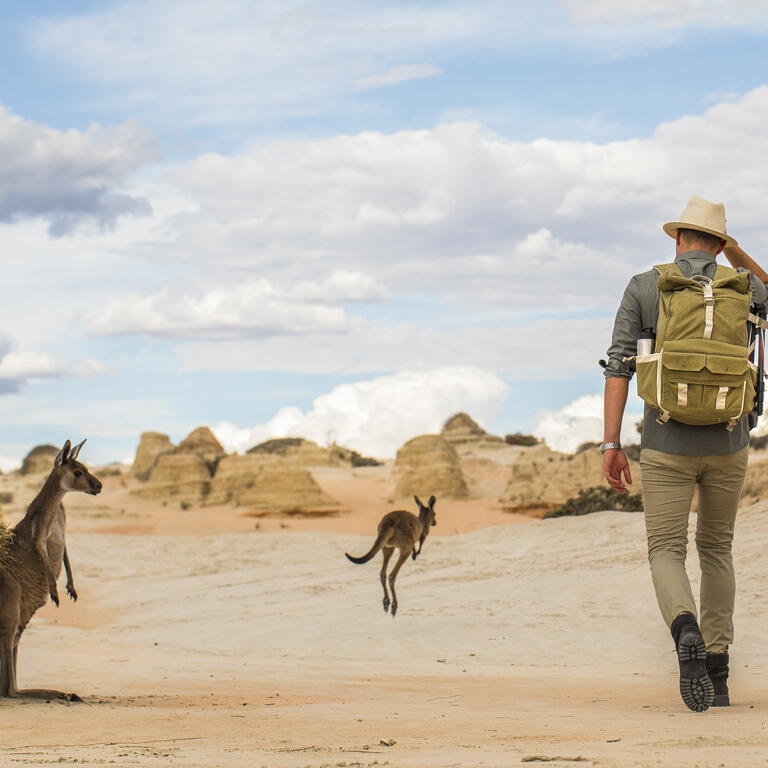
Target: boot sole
(696,689)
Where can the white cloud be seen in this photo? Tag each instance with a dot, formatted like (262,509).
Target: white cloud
(546,348)
(20,366)
(252,308)
(377,416)
(669,14)
(341,286)
(69,177)
(464,213)
(399,74)
(256,60)
(245,60)
(582,421)
(26,365)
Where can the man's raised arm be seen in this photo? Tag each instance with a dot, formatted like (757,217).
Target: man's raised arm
(739,258)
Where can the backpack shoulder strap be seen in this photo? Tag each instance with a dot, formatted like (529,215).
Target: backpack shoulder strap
(729,277)
(670,277)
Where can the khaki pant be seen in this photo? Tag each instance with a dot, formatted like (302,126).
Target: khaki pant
(668,484)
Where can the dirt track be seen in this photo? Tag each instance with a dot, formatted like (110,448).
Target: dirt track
(537,640)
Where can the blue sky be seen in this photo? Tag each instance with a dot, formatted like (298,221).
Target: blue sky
(366,213)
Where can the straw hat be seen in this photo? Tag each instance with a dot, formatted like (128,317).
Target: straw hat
(703,216)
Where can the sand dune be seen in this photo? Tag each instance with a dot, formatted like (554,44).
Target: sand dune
(536,640)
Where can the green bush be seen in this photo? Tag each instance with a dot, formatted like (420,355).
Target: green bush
(362,461)
(520,439)
(596,499)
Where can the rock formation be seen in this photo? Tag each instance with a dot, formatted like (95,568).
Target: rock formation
(39,460)
(268,484)
(542,479)
(202,442)
(461,430)
(151,445)
(429,465)
(177,476)
(299,450)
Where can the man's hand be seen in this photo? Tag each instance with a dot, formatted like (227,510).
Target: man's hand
(614,465)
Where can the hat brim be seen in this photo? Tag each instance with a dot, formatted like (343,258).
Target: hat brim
(671,228)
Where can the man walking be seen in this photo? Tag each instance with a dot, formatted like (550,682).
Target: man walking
(707,448)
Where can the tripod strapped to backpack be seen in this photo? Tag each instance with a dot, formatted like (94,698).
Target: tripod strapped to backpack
(757,326)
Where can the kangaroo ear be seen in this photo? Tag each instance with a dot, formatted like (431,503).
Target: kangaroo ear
(432,501)
(76,451)
(418,501)
(63,455)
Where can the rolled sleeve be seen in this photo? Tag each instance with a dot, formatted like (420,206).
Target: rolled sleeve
(626,328)
(759,291)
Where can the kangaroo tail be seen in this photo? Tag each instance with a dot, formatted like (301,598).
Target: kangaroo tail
(373,550)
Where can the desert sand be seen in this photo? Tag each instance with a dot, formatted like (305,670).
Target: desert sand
(207,637)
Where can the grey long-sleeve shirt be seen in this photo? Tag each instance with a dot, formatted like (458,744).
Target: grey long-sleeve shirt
(639,309)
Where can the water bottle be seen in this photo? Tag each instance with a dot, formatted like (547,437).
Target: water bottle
(645,342)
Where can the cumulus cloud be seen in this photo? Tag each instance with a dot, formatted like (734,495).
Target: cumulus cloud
(377,416)
(460,211)
(16,367)
(399,74)
(547,348)
(582,421)
(251,308)
(69,177)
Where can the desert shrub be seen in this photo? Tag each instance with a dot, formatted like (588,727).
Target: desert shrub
(596,499)
(6,497)
(184,504)
(357,460)
(278,445)
(589,445)
(758,443)
(110,470)
(520,439)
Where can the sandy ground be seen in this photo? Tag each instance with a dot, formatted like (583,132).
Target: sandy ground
(199,640)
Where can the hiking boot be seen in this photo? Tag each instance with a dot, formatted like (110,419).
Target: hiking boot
(717,668)
(696,688)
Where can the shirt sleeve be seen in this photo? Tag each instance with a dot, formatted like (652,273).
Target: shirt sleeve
(759,288)
(626,329)
(759,291)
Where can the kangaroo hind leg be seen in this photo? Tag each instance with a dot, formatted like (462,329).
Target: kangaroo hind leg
(387,553)
(392,576)
(70,581)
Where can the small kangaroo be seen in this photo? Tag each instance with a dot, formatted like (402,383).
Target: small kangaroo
(403,530)
(32,562)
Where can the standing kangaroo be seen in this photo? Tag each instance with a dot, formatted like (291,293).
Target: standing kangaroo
(32,562)
(399,529)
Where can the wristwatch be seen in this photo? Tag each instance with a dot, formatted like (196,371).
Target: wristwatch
(609,447)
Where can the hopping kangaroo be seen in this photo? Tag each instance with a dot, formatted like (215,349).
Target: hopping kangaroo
(403,530)
(31,562)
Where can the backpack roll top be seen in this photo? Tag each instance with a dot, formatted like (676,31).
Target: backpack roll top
(700,372)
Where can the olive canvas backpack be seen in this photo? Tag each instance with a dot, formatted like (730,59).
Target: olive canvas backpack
(700,372)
